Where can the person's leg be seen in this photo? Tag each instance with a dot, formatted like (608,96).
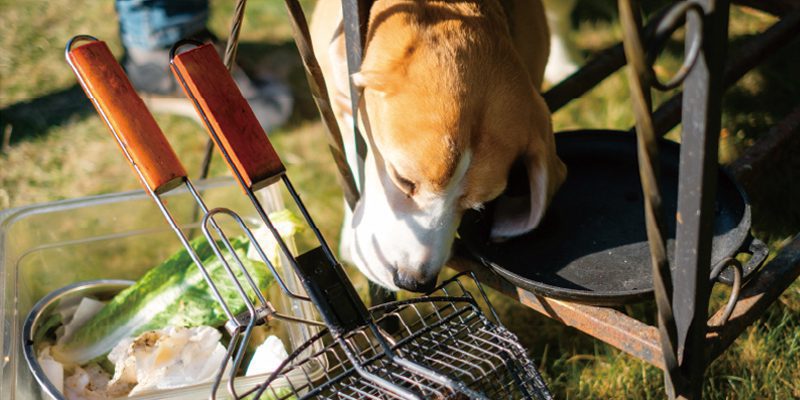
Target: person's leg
(148,28)
(157,24)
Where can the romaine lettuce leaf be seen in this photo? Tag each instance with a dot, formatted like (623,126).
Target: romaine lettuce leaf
(173,293)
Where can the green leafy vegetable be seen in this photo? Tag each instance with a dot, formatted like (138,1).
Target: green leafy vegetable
(47,328)
(172,294)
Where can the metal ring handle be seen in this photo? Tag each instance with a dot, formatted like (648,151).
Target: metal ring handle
(671,21)
(76,39)
(736,287)
(758,251)
(173,51)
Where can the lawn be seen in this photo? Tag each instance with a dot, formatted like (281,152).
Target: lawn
(54,147)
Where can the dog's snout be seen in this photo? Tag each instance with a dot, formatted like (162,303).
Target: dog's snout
(413,282)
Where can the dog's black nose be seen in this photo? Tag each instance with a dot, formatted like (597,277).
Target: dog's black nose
(411,282)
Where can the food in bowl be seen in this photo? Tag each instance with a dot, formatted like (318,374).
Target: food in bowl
(161,332)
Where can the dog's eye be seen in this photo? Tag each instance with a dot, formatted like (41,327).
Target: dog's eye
(406,185)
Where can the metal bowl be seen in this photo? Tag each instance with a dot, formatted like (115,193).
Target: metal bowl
(105,290)
(100,289)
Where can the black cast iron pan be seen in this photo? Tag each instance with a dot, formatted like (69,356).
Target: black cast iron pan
(591,246)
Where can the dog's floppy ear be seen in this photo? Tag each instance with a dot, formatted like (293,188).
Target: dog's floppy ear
(516,214)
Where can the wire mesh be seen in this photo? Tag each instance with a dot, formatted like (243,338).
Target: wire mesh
(445,331)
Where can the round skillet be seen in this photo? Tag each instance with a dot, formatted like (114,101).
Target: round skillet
(591,246)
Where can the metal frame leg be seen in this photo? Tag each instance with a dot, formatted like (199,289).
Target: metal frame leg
(701,118)
(356,15)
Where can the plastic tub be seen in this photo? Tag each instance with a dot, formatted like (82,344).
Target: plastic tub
(118,236)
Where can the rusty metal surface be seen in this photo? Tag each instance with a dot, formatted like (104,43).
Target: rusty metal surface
(607,324)
(697,184)
(756,296)
(640,79)
(639,339)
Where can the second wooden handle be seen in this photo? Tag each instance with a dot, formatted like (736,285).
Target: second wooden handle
(204,77)
(127,116)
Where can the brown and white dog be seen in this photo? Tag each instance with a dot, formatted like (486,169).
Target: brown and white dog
(451,100)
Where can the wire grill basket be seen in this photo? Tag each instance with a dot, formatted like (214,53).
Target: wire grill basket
(445,330)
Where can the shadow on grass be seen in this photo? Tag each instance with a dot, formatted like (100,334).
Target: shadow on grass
(760,101)
(34,118)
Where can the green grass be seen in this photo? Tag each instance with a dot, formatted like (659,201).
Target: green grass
(59,149)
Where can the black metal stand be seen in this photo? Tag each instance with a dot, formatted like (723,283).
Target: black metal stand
(689,340)
(695,339)
(702,104)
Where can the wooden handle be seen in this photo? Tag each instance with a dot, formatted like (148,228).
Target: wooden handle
(104,81)
(204,77)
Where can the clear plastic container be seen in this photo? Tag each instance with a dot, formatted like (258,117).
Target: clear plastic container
(118,236)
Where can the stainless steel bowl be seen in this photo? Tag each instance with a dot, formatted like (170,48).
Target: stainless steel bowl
(99,289)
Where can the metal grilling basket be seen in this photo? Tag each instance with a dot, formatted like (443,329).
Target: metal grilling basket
(440,345)
(445,330)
